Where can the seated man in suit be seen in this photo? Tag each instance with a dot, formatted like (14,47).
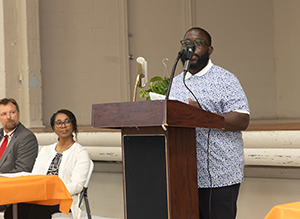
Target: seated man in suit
(18,145)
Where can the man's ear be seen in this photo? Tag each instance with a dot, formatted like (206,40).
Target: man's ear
(210,50)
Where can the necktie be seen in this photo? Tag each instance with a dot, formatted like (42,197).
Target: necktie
(3,145)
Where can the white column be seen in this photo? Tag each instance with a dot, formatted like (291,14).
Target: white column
(20,73)
(2,52)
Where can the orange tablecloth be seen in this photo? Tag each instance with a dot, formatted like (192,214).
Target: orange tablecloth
(36,189)
(285,211)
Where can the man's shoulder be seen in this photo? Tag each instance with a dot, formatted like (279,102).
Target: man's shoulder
(23,131)
(179,76)
(221,72)
(217,68)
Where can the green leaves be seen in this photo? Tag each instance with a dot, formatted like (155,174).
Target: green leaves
(157,85)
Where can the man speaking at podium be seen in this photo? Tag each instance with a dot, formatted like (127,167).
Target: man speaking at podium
(220,155)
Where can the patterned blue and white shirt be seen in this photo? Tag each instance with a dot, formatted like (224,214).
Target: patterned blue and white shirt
(217,91)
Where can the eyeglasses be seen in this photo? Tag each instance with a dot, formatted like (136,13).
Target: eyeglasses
(59,123)
(197,42)
(11,113)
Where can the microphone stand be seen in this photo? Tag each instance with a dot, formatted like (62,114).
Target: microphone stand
(190,50)
(180,54)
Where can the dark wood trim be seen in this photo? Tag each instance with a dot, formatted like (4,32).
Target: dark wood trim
(153,113)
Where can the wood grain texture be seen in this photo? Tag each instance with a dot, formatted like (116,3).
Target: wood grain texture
(153,113)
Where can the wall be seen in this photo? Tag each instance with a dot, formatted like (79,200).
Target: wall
(287,53)
(84,55)
(74,49)
(242,33)
(256,40)
(85,46)
(155,29)
(258,195)
(20,71)
(271,172)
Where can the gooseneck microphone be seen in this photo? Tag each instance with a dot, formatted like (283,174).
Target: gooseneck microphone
(189,55)
(180,54)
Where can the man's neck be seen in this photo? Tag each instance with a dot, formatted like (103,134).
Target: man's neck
(198,68)
(195,71)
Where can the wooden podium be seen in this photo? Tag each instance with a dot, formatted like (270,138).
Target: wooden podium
(159,155)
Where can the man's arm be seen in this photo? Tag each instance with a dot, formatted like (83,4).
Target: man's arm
(234,121)
(26,154)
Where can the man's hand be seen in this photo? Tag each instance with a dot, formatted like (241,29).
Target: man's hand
(234,121)
(193,103)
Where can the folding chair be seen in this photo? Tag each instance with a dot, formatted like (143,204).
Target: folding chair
(83,195)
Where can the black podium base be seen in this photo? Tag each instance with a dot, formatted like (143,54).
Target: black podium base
(145,181)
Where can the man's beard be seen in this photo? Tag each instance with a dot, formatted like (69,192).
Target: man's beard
(10,125)
(201,62)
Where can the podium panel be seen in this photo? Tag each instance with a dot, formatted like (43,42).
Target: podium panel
(160,173)
(145,179)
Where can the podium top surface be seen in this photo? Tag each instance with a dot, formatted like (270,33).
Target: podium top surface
(153,113)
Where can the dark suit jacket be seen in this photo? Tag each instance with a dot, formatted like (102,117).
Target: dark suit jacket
(21,151)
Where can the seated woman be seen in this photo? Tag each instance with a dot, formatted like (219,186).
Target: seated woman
(67,159)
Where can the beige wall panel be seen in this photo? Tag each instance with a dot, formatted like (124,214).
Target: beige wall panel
(105,195)
(242,33)
(2,53)
(259,195)
(83,49)
(11,50)
(155,29)
(21,75)
(287,54)
(84,55)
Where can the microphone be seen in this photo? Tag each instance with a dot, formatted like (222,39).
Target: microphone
(179,55)
(189,55)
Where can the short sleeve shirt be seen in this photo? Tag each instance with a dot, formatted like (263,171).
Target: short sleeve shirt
(218,91)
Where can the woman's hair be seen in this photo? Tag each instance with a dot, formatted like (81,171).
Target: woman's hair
(71,117)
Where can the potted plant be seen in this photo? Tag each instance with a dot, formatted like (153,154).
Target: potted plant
(157,85)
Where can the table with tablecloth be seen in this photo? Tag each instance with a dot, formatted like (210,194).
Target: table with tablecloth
(285,211)
(35,189)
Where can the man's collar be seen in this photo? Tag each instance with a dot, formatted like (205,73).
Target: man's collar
(201,72)
(9,134)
